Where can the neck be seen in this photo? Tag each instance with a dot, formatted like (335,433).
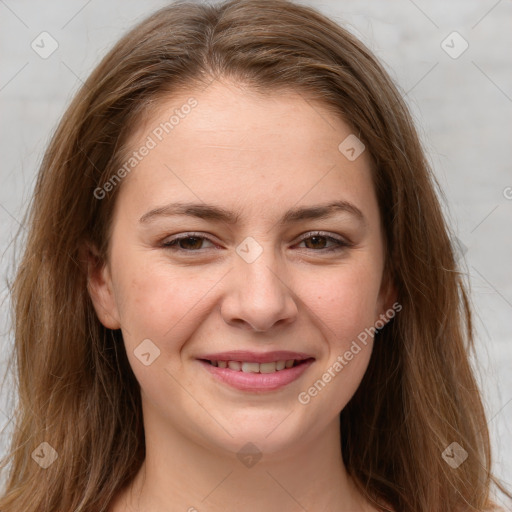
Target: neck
(180,474)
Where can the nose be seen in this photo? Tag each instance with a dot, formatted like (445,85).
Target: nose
(259,298)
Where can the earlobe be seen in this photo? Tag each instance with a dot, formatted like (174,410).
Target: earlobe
(99,286)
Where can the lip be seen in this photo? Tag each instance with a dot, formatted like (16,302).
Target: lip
(255,357)
(257,381)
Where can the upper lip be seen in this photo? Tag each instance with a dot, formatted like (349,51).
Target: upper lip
(256,357)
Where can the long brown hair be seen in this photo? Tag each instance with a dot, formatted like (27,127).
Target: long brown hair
(75,386)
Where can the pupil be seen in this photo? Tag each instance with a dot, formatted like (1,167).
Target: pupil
(197,244)
(310,239)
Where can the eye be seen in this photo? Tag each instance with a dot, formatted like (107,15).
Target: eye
(318,240)
(190,242)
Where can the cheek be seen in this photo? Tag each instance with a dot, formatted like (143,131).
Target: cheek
(345,309)
(160,301)
(345,300)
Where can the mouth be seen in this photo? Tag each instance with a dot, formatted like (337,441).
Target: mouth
(237,372)
(253,367)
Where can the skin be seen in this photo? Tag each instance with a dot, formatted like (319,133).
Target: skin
(260,156)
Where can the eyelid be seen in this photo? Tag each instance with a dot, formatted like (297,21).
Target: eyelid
(184,236)
(325,234)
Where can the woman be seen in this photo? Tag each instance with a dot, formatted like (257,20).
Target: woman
(238,288)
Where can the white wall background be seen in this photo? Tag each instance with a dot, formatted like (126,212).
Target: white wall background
(463,108)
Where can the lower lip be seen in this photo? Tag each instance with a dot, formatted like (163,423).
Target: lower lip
(257,381)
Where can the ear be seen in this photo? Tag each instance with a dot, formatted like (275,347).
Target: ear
(99,286)
(388,296)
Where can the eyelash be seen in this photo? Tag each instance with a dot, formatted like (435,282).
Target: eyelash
(340,244)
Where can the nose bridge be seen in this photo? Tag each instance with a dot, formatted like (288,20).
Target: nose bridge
(257,271)
(259,296)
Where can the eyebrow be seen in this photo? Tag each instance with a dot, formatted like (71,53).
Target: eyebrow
(219,214)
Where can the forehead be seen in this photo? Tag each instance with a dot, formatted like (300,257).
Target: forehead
(227,142)
(252,120)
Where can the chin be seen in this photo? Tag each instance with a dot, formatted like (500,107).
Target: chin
(265,436)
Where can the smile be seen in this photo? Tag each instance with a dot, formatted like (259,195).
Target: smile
(251,367)
(253,376)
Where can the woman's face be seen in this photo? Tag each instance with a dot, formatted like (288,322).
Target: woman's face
(272,273)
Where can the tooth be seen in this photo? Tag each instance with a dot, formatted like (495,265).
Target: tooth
(250,367)
(267,367)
